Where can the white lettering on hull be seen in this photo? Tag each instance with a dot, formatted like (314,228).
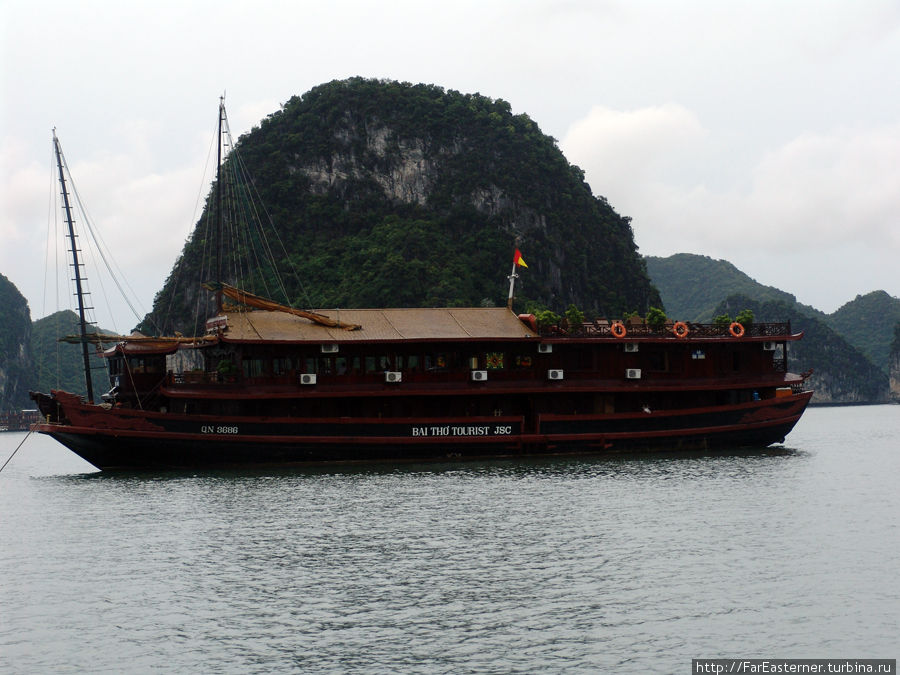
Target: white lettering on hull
(461,431)
(212,429)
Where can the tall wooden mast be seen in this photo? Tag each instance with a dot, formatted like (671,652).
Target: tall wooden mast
(218,277)
(79,291)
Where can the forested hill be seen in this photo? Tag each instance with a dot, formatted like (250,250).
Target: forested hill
(693,285)
(15,347)
(392,194)
(59,365)
(869,321)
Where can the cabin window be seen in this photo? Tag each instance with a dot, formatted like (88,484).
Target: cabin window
(148,365)
(378,364)
(437,361)
(522,361)
(252,367)
(407,362)
(325,366)
(282,366)
(115,366)
(309,365)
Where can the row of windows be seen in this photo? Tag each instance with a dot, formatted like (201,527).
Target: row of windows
(431,362)
(138,365)
(361,365)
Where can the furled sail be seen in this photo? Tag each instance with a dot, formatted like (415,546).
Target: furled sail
(109,338)
(257,302)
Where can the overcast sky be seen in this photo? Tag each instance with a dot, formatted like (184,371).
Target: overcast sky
(763,133)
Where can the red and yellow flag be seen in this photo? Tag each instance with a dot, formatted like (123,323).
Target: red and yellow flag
(518,260)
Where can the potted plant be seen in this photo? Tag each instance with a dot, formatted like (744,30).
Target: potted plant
(656,318)
(227,370)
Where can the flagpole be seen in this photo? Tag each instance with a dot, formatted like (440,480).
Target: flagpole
(512,284)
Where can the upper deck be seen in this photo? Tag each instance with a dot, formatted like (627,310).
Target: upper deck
(481,324)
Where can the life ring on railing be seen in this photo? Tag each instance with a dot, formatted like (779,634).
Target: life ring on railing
(618,329)
(736,329)
(680,329)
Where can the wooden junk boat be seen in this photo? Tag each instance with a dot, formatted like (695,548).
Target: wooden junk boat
(271,385)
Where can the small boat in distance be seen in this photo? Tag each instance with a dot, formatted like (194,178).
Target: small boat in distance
(268,384)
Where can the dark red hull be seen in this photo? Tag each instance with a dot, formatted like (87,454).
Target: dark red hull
(127,440)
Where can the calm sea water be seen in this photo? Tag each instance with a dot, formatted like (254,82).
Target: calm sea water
(623,565)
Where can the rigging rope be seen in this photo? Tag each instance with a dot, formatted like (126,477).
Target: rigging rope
(30,431)
(112,268)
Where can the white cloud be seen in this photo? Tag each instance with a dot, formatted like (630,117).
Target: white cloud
(842,187)
(820,199)
(623,148)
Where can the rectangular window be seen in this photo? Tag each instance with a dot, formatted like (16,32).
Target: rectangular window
(252,367)
(521,361)
(282,366)
(435,362)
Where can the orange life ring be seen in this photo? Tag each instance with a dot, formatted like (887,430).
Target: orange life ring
(736,329)
(618,329)
(680,329)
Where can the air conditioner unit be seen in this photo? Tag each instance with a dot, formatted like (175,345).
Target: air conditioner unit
(307,378)
(554,374)
(770,346)
(632,347)
(633,373)
(545,349)
(330,349)
(393,376)
(479,375)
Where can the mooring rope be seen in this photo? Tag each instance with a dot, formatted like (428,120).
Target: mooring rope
(30,431)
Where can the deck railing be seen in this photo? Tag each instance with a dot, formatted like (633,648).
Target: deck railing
(601,328)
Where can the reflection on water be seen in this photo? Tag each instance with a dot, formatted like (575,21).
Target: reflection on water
(543,565)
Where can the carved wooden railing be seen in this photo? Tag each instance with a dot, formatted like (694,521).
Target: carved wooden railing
(605,329)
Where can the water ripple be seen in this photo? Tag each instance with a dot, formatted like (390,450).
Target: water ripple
(561,566)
